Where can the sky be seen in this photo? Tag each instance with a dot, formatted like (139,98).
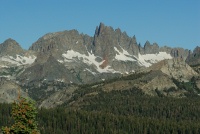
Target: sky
(174,23)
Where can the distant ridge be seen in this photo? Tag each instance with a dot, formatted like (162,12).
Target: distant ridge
(56,61)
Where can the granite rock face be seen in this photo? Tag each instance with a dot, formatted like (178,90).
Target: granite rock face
(106,38)
(194,57)
(51,70)
(109,42)
(180,52)
(59,42)
(9,91)
(151,49)
(176,68)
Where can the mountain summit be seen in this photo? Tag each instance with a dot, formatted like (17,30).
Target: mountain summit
(10,47)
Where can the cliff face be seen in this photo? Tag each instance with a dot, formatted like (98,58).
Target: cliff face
(9,91)
(175,68)
(194,57)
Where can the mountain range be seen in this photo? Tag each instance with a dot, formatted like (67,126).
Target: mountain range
(57,64)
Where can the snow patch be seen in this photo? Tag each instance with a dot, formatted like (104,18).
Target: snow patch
(89,59)
(123,56)
(89,71)
(3,66)
(144,60)
(19,60)
(148,59)
(5,76)
(127,72)
(60,61)
(60,80)
(71,56)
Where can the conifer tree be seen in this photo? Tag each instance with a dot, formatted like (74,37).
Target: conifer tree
(24,114)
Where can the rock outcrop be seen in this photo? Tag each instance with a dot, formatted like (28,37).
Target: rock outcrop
(9,91)
(176,68)
(50,70)
(59,42)
(194,57)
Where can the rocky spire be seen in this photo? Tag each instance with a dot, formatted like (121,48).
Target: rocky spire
(99,29)
(151,49)
(194,58)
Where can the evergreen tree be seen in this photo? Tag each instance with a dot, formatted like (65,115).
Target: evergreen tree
(24,115)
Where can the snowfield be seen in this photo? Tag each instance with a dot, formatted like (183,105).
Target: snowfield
(18,60)
(123,56)
(144,60)
(148,59)
(70,56)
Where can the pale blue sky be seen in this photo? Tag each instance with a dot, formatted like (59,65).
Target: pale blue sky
(167,22)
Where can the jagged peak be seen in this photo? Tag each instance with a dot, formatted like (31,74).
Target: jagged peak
(155,44)
(147,43)
(102,28)
(101,25)
(99,29)
(118,30)
(197,49)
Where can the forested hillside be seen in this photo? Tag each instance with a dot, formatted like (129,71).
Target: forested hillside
(128,111)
